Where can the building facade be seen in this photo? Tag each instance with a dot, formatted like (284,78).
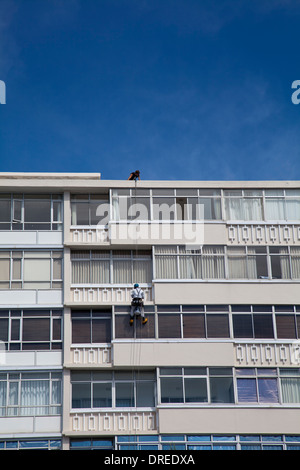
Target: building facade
(217,365)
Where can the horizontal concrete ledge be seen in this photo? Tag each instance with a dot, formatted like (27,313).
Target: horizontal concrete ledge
(29,175)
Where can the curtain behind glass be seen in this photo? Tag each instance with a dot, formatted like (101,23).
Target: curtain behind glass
(213,263)
(3,388)
(295,262)
(34,397)
(290,390)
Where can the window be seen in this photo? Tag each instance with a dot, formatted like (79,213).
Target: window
(118,389)
(116,267)
(243,204)
(124,330)
(247,262)
(282,204)
(41,444)
(166,204)
(92,444)
(192,322)
(91,326)
(29,330)
(30,269)
(257,386)
(91,209)
(258,324)
(290,385)
(30,393)
(181,263)
(196,385)
(30,212)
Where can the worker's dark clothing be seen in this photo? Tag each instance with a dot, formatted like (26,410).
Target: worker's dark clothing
(134,176)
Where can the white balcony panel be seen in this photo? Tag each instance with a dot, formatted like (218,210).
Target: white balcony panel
(51,296)
(21,359)
(106,295)
(90,235)
(267,354)
(27,237)
(265,234)
(25,297)
(225,419)
(30,424)
(116,422)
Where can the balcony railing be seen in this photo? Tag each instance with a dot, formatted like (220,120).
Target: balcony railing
(263,233)
(106,295)
(267,354)
(90,234)
(117,422)
(88,355)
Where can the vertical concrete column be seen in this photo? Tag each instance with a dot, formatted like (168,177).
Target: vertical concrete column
(66,418)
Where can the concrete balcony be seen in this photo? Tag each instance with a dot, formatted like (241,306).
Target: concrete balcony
(105,295)
(111,422)
(90,356)
(263,233)
(267,354)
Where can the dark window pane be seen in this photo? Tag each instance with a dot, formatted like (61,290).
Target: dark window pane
(102,395)
(124,394)
(246,390)
(15,330)
(81,395)
(56,333)
(171,390)
(242,326)
(3,329)
(169,326)
(268,391)
(5,211)
(193,326)
(36,329)
(147,330)
(145,395)
(195,390)
(263,326)
(37,211)
(221,390)
(81,331)
(217,326)
(285,325)
(101,330)
(122,327)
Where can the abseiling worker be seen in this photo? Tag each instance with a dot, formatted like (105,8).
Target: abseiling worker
(135,175)
(137,304)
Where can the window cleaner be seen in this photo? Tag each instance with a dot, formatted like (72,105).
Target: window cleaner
(135,175)
(137,304)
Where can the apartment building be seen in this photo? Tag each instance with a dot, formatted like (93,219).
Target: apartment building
(217,365)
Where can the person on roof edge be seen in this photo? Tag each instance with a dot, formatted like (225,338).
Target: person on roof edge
(137,295)
(135,175)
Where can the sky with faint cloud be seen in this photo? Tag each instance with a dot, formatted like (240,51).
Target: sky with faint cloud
(179,89)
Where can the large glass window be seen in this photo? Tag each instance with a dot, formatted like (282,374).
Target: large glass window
(91,326)
(116,267)
(166,204)
(91,209)
(30,269)
(28,330)
(30,212)
(196,385)
(30,393)
(118,389)
(179,262)
(243,204)
(257,385)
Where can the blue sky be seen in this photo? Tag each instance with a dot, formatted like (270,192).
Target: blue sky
(180,89)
